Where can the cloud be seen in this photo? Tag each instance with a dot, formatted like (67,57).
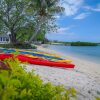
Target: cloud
(57,16)
(62,34)
(64,30)
(82,16)
(97,8)
(68,36)
(71,6)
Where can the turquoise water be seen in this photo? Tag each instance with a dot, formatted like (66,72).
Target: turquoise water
(91,53)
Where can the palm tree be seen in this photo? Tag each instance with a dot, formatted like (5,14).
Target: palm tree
(44,11)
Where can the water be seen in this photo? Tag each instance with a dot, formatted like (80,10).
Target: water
(91,53)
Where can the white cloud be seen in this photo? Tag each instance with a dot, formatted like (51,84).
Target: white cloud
(82,16)
(57,16)
(97,8)
(63,30)
(71,6)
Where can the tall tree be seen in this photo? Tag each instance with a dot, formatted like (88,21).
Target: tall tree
(25,19)
(45,11)
(13,18)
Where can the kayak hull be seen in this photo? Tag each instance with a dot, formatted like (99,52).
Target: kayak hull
(37,61)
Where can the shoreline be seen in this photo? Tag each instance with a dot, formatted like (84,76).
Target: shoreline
(88,57)
(75,60)
(85,77)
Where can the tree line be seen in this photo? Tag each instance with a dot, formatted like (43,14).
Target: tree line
(78,43)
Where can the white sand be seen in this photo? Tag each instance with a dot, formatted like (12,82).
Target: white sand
(85,77)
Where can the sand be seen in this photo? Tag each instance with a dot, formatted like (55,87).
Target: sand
(85,77)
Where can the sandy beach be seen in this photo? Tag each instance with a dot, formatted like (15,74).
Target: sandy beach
(85,77)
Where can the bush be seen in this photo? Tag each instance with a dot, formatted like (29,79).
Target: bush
(19,46)
(17,84)
(97,98)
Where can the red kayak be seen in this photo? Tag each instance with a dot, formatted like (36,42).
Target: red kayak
(5,56)
(38,61)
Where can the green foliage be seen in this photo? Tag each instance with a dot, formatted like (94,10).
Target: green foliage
(20,46)
(24,33)
(17,84)
(83,44)
(40,36)
(75,43)
(23,18)
(97,98)
(44,14)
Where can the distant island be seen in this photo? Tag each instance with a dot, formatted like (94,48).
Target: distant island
(78,43)
(83,44)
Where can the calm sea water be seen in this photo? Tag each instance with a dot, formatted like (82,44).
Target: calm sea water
(91,53)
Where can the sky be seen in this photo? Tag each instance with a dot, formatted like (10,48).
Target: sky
(79,22)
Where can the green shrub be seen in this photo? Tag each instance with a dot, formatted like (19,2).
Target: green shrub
(18,84)
(97,98)
(20,46)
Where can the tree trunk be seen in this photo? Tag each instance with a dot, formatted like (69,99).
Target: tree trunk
(13,39)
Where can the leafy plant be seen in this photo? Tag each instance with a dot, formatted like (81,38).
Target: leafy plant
(97,98)
(18,84)
(20,45)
